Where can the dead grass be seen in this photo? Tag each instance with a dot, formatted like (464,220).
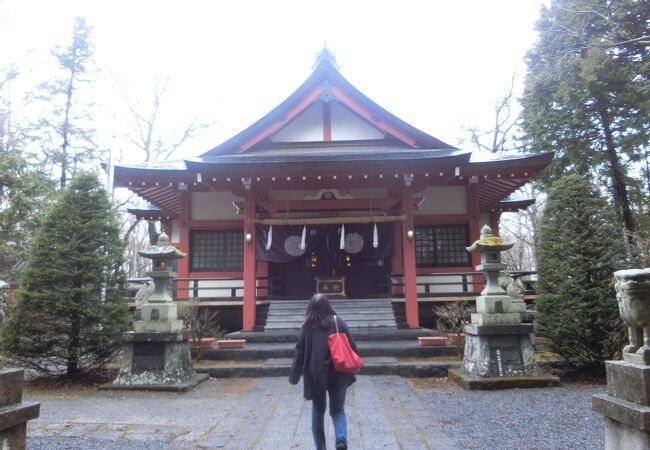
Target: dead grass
(58,384)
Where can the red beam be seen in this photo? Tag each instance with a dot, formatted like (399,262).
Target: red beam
(327,122)
(383,204)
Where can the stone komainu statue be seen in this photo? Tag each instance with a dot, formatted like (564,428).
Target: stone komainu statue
(633,295)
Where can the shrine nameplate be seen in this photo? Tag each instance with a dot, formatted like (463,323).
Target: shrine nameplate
(331,286)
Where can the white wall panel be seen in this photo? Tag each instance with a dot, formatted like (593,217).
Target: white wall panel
(443,200)
(214,206)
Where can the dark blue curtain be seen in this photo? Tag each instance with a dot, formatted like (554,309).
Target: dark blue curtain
(286,241)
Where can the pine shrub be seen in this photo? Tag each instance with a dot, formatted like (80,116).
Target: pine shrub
(580,246)
(71,313)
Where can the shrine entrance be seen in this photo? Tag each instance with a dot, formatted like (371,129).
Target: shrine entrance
(358,270)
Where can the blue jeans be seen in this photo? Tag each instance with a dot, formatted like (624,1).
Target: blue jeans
(337,401)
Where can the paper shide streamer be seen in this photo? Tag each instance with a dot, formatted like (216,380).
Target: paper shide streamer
(375,237)
(269,238)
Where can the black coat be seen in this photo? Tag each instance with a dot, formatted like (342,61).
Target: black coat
(312,360)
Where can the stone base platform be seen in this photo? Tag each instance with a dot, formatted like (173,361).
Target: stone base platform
(492,383)
(185,386)
(626,406)
(627,424)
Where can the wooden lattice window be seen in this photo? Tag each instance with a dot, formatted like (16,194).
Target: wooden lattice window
(441,245)
(217,251)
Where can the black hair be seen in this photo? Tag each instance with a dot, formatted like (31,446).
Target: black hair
(319,312)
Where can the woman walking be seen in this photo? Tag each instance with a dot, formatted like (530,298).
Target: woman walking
(312,360)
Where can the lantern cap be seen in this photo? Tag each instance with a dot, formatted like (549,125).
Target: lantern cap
(489,242)
(162,250)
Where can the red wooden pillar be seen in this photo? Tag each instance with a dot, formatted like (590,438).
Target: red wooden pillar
(184,242)
(474,227)
(249,264)
(408,261)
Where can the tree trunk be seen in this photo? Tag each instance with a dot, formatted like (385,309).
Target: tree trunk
(619,185)
(66,131)
(73,346)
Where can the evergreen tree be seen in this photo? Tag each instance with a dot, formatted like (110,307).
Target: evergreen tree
(579,248)
(587,94)
(70,314)
(24,188)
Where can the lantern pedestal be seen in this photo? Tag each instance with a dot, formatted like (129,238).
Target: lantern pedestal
(157,361)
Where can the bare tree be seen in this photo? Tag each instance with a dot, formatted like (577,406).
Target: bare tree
(521,227)
(144,135)
(152,144)
(500,137)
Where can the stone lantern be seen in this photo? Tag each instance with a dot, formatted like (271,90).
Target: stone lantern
(498,347)
(158,312)
(156,354)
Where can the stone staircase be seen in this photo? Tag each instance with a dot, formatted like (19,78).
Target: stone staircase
(386,347)
(357,313)
(385,350)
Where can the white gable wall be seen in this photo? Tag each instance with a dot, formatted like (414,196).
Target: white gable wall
(306,127)
(348,126)
(345,125)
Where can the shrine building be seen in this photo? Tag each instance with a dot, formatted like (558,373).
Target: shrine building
(328,193)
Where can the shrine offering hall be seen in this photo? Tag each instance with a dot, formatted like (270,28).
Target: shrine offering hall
(328,193)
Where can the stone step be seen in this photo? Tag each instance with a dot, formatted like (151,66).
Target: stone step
(401,348)
(358,313)
(360,334)
(353,317)
(405,367)
(365,323)
(335,303)
(340,310)
(280,367)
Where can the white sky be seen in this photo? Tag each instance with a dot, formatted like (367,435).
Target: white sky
(439,65)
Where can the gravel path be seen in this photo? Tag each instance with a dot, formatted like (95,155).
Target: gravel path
(384,412)
(544,418)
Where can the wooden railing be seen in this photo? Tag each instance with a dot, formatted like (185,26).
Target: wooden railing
(468,284)
(229,286)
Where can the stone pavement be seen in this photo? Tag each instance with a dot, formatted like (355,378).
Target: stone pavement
(384,412)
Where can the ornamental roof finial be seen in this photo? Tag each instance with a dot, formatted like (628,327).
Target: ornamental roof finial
(325,54)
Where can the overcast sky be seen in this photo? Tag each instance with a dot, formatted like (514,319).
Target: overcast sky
(439,65)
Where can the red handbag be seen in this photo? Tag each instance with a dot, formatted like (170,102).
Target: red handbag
(343,357)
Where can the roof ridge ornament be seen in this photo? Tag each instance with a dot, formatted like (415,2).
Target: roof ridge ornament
(325,54)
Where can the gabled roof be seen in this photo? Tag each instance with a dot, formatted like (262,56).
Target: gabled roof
(278,147)
(326,84)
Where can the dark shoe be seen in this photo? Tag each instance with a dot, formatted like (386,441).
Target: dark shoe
(341,445)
